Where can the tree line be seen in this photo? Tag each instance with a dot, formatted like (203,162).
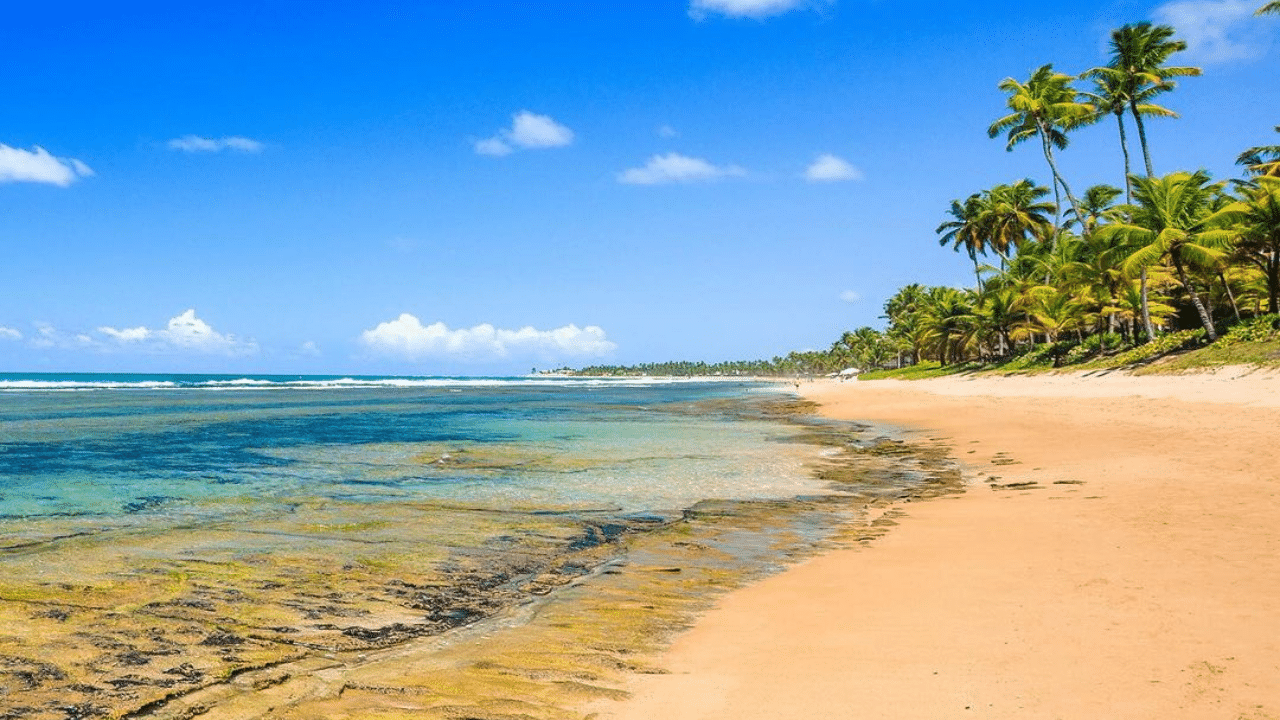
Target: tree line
(1112,267)
(1174,258)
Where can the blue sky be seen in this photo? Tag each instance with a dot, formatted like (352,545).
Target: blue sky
(485,187)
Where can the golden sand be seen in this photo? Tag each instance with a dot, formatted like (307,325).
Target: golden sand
(1116,554)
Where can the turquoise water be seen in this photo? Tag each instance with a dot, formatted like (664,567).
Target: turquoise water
(109,450)
(161,535)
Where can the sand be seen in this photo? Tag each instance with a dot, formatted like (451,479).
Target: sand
(1138,577)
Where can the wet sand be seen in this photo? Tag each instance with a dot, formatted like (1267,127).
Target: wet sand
(1116,554)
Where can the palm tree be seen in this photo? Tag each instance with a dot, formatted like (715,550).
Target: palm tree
(1271,7)
(1053,311)
(1094,271)
(1045,106)
(997,311)
(1111,95)
(1098,205)
(1131,302)
(1015,215)
(869,348)
(966,230)
(903,312)
(1261,160)
(948,323)
(1259,240)
(1173,218)
(1004,217)
(1013,292)
(1138,54)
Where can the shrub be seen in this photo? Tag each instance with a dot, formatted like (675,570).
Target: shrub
(1259,329)
(1040,356)
(1093,346)
(1163,345)
(1080,353)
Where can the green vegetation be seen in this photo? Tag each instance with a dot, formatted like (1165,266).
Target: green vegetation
(1093,282)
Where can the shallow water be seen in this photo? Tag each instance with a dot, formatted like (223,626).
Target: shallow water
(162,536)
(119,450)
(184,546)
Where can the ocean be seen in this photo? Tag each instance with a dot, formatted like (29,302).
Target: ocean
(162,536)
(131,448)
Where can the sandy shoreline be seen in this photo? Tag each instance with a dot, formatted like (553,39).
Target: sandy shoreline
(1132,569)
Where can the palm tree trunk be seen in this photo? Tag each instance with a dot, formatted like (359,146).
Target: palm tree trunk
(1195,300)
(1273,283)
(1057,177)
(1124,148)
(1147,327)
(1230,296)
(1113,323)
(1142,137)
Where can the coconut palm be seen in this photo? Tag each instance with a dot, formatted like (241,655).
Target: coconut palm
(966,230)
(903,312)
(1174,218)
(948,323)
(1111,96)
(1138,55)
(1261,160)
(1047,107)
(1052,312)
(1271,7)
(869,347)
(1132,301)
(1003,218)
(1028,274)
(1016,215)
(1098,205)
(1094,273)
(1259,240)
(998,311)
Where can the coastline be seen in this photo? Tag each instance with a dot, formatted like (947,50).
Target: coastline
(1116,553)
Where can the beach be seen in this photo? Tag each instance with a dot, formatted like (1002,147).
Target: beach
(1116,553)
(1064,545)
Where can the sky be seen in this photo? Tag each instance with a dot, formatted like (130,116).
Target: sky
(482,188)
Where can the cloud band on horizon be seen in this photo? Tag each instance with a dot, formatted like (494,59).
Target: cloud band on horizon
(407,338)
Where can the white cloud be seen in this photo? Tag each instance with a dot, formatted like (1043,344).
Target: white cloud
(9,334)
(494,147)
(183,333)
(666,131)
(1216,30)
(47,336)
(677,168)
(408,338)
(757,9)
(128,335)
(829,168)
(196,144)
(310,349)
(538,131)
(850,296)
(529,131)
(37,165)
